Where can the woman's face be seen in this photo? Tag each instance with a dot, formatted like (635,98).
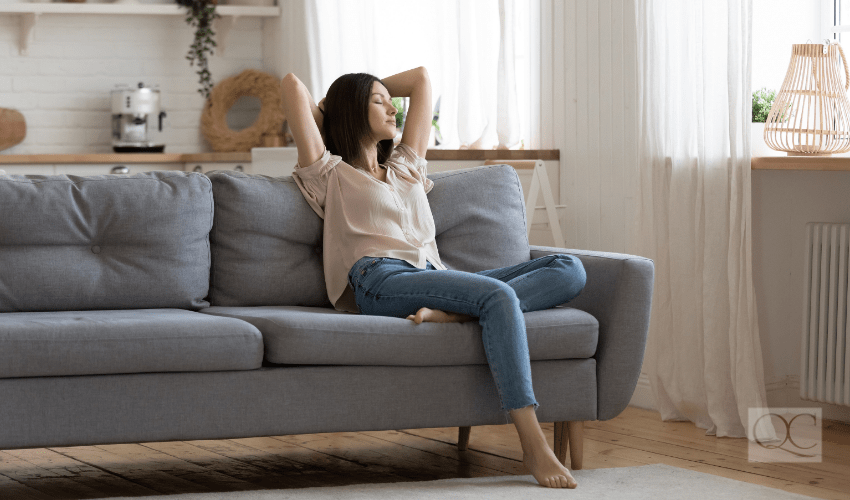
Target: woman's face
(381,113)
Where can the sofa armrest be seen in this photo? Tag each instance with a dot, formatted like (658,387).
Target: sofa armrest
(618,294)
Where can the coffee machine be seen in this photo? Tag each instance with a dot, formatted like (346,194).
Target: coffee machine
(133,111)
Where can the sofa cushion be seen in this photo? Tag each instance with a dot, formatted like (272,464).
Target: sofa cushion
(70,243)
(479,215)
(267,241)
(324,336)
(50,344)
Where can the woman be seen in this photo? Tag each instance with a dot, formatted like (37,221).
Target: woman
(380,256)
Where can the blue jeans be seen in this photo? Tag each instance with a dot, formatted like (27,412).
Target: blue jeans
(391,287)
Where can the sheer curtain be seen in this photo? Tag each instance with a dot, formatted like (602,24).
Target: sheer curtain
(469,48)
(703,355)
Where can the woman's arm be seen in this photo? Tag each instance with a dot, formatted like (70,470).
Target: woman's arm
(415,84)
(304,119)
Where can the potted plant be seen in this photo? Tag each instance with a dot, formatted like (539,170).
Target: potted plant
(200,15)
(400,104)
(762,101)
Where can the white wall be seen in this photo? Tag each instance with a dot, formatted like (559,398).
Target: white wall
(588,111)
(63,86)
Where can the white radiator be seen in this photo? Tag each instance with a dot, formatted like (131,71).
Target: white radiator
(825,359)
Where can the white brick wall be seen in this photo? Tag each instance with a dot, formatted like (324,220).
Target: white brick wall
(62,87)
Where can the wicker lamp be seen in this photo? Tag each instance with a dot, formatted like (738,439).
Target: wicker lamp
(811,114)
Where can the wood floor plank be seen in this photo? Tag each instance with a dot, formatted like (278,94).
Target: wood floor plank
(85,474)
(363,450)
(285,474)
(448,450)
(501,440)
(252,452)
(47,482)
(177,467)
(443,467)
(139,472)
(14,490)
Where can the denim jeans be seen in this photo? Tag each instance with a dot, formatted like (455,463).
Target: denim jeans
(391,287)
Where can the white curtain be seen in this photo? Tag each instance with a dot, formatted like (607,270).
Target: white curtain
(703,355)
(468,48)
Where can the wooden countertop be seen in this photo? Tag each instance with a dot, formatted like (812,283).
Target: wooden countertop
(129,158)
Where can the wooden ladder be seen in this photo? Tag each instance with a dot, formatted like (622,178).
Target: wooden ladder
(539,182)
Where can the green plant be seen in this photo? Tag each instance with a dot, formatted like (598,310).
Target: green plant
(398,102)
(200,15)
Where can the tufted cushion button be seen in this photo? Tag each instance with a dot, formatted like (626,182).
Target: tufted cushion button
(95,249)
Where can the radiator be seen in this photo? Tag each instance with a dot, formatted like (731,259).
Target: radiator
(825,359)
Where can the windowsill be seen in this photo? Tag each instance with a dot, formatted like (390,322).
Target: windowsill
(801,163)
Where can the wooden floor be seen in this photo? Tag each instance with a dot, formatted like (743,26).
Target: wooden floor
(636,437)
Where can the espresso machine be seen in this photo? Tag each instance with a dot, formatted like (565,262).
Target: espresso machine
(135,113)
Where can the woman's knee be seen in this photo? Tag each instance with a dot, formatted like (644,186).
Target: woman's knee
(575,276)
(500,293)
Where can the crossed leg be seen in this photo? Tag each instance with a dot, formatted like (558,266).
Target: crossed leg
(537,457)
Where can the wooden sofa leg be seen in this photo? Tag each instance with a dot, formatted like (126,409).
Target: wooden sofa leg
(561,441)
(463,438)
(576,433)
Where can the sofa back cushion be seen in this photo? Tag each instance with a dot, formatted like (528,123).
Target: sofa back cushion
(479,216)
(267,241)
(105,241)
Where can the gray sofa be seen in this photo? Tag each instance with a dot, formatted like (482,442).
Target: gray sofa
(169,306)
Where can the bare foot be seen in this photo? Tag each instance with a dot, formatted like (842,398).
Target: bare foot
(437,316)
(542,463)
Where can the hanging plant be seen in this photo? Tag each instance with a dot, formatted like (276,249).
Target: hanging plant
(200,15)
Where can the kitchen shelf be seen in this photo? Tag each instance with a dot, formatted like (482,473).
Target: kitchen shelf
(30,13)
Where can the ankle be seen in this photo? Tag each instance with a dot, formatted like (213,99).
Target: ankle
(533,441)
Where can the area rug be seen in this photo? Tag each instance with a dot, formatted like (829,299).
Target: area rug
(647,482)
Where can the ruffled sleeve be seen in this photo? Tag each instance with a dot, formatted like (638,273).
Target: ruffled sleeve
(417,166)
(312,180)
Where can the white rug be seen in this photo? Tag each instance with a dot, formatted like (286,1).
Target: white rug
(647,482)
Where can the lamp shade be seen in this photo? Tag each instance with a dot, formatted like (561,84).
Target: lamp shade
(811,114)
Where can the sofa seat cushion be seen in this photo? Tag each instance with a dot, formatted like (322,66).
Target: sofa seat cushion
(324,336)
(49,344)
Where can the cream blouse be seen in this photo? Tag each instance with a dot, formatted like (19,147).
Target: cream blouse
(368,217)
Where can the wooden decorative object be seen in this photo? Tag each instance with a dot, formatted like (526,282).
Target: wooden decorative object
(811,114)
(13,128)
(250,82)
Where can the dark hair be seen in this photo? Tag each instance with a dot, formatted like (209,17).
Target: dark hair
(346,120)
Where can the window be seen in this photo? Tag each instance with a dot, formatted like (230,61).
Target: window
(458,42)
